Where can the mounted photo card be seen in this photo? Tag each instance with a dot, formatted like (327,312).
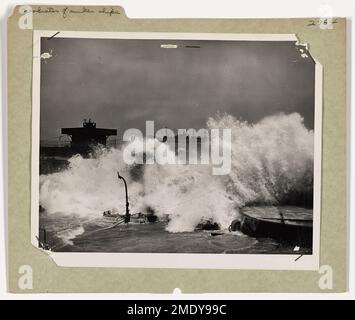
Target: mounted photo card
(206,155)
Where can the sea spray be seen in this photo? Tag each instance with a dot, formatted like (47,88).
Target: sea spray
(271,161)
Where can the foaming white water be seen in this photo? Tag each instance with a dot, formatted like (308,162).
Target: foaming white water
(270,160)
(70,234)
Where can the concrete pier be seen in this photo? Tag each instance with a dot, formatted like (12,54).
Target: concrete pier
(293,225)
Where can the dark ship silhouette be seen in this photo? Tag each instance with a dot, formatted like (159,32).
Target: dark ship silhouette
(85,138)
(80,140)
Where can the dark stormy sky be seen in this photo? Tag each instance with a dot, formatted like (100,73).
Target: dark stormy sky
(122,83)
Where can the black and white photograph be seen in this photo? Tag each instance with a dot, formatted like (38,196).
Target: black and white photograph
(185,144)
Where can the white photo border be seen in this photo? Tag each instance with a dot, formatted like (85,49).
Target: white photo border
(177,260)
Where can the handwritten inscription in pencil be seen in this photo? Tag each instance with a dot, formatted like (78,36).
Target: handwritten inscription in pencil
(66,12)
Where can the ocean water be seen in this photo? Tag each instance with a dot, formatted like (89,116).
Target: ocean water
(70,235)
(272,163)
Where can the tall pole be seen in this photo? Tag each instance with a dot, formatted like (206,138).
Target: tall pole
(127,216)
